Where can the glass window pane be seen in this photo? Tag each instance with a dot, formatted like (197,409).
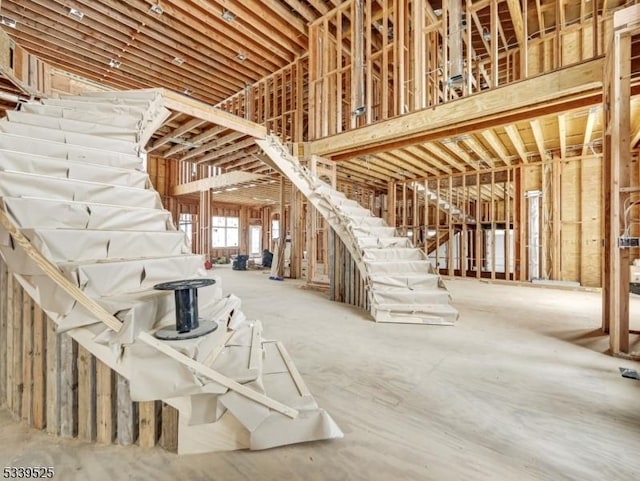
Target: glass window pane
(233,222)
(232,237)
(217,221)
(217,237)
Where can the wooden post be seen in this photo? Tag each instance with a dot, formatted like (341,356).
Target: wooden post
(127,423)
(617,176)
(68,374)
(105,406)
(169,436)
(53,380)
(16,403)
(86,395)
(39,367)
(4,288)
(148,413)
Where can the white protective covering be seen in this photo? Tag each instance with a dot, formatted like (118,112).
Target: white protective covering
(71,181)
(401,283)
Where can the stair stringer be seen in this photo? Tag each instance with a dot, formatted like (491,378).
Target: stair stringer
(416,292)
(221,407)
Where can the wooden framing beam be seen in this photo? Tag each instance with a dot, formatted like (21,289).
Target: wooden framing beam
(221,181)
(563,89)
(200,110)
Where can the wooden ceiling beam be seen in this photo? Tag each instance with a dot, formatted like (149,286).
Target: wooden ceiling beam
(196,140)
(538,135)
(588,130)
(87,37)
(241,37)
(496,145)
(442,155)
(562,133)
(427,163)
(218,182)
(212,146)
(368,172)
(479,150)
(308,14)
(320,6)
(172,37)
(211,114)
(176,133)
(266,18)
(250,142)
(400,160)
(516,140)
(560,90)
(54,57)
(453,147)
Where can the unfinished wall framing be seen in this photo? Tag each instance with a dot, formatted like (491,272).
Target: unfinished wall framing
(485,212)
(48,381)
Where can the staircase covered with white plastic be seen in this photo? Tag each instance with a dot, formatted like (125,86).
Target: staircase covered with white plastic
(401,284)
(72,184)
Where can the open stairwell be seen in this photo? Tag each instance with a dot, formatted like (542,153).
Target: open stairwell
(401,284)
(85,234)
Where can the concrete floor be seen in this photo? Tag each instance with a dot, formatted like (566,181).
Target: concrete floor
(518,390)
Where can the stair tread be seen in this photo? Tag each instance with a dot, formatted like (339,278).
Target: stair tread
(72,138)
(72,151)
(109,117)
(88,127)
(17,162)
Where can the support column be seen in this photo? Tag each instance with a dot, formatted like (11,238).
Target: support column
(617,179)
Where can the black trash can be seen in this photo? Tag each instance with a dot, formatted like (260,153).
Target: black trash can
(267,258)
(240,263)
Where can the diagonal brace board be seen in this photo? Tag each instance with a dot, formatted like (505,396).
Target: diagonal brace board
(221,379)
(56,276)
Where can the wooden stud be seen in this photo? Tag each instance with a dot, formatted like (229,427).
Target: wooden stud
(126,413)
(68,375)
(18,386)
(4,365)
(149,416)
(53,382)
(39,368)
(105,406)
(169,435)
(86,395)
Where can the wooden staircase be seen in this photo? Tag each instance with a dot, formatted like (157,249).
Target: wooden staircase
(401,284)
(84,233)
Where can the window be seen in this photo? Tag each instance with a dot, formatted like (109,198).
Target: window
(275,229)
(185,224)
(255,236)
(224,231)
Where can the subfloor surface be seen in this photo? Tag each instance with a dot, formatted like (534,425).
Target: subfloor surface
(520,389)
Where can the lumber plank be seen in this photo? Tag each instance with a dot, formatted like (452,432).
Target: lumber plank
(105,407)
(39,367)
(169,436)
(86,395)
(52,394)
(16,402)
(68,386)
(216,376)
(200,110)
(27,357)
(548,93)
(148,423)
(295,374)
(3,332)
(126,413)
